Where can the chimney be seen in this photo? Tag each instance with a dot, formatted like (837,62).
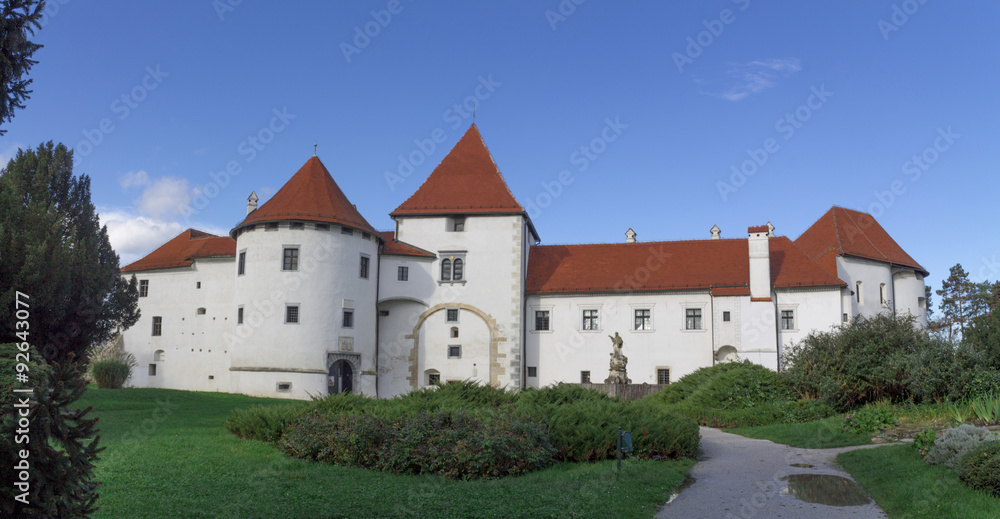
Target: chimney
(716,232)
(252,203)
(629,236)
(770,230)
(758,244)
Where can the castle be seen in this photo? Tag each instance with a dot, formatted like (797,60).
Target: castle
(304,297)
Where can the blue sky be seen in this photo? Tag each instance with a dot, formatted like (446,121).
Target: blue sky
(667,117)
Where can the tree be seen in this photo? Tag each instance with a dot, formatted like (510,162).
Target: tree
(956,294)
(984,335)
(18,21)
(929,302)
(53,249)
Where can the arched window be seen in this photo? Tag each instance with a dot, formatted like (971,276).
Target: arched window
(446,270)
(158,356)
(457,270)
(454,331)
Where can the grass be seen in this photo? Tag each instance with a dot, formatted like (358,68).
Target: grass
(827,433)
(906,487)
(169,455)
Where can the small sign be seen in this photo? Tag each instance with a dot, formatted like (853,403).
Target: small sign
(627,441)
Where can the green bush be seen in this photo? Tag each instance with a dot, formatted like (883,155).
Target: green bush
(871,418)
(264,423)
(454,444)
(980,467)
(36,366)
(955,442)
(982,382)
(110,373)
(923,441)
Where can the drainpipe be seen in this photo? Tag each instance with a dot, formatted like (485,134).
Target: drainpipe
(378,317)
(777,328)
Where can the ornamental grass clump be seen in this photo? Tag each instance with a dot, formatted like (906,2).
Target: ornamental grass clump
(955,442)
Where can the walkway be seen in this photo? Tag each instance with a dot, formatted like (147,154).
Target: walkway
(740,478)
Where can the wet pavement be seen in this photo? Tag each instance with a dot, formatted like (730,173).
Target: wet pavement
(743,478)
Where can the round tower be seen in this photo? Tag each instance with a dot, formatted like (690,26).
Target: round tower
(305,292)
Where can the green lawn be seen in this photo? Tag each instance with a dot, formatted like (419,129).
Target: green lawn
(906,487)
(820,434)
(168,455)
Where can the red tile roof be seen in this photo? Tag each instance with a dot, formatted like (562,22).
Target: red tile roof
(757,228)
(397,248)
(186,246)
(676,265)
(312,195)
(731,291)
(852,233)
(466,181)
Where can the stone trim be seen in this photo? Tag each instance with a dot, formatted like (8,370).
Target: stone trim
(496,368)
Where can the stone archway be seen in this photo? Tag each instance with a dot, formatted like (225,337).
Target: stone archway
(496,368)
(726,354)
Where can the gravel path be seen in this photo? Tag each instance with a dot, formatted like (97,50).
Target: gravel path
(740,478)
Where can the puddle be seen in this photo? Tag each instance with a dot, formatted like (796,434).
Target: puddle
(802,465)
(826,490)
(688,481)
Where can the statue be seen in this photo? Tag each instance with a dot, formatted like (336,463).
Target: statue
(617,374)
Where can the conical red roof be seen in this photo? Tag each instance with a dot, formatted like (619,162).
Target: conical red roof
(312,195)
(467,181)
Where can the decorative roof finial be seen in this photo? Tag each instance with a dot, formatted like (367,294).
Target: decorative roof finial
(314,149)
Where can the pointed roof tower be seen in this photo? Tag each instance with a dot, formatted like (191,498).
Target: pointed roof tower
(312,195)
(467,181)
(852,233)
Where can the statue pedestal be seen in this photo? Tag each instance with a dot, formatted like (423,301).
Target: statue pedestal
(617,377)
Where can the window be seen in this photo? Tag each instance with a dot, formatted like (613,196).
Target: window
(347,230)
(532,371)
(157,325)
(452,315)
(883,295)
(456,224)
(239,315)
(454,332)
(250,228)
(158,356)
(143,288)
(198,285)
(857,292)
(297,225)
(241,266)
(366,235)
(662,376)
(201,311)
(433,379)
(364,267)
(446,270)
(456,270)
(590,319)
(403,273)
(292,314)
(453,267)
(725,316)
(271,226)
(322,227)
(383,313)
(284,387)
(584,377)
(152,370)
(348,319)
(454,352)
(787,319)
(541,319)
(692,319)
(642,320)
(845,319)
(291,259)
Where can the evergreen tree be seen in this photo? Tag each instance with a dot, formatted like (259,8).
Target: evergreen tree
(956,294)
(18,21)
(984,335)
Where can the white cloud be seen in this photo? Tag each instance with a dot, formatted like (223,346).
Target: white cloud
(165,197)
(756,76)
(134,236)
(134,179)
(8,154)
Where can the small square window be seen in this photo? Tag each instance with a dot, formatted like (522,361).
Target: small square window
(433,379)
(452,315)
(348,319)
(584,377)
(198,285)
(454,332)
(787,320)
(541,320)
(322,227)
(383,313)
(590,319)
(292,314)
(366,235)
(364,267)
(725,316)
(845,319)
(662,376)
(157,326)
(271,226)
(152,370)
(284,387)
(403,273)
(241,267)
(291,259)
(457,224)
(143,287)
(347,230)
(201,311)
(454,352)
(297,225)
(532,371)
(692,319)
(239,315)
(642,320)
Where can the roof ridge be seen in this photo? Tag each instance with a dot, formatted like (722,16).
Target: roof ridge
(645,242)
(865,234)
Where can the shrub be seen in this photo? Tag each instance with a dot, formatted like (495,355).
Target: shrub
(871,418)
(955,442)
(923,441)
(110,373)
(264,423)
(982,382)
(112,350)
(980,467)
(37,370)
